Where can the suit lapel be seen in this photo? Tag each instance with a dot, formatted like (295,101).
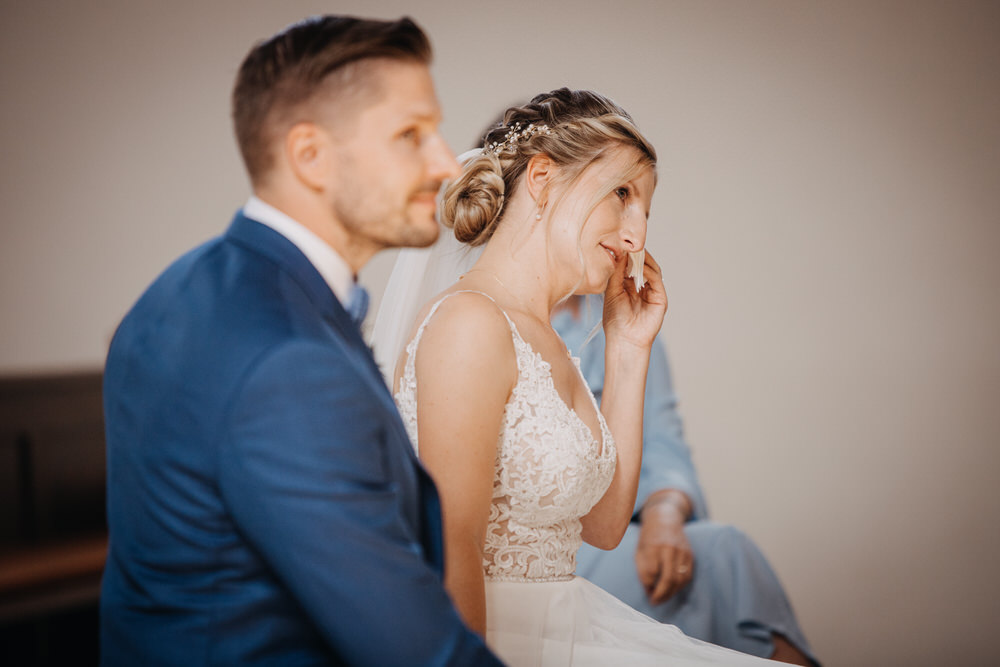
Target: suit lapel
(265,241)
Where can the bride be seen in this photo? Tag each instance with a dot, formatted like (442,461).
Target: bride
(525,462)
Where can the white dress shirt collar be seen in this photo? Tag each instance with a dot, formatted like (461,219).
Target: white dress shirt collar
(335,271)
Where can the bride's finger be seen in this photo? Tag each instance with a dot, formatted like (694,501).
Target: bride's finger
(652,266)
(654,281)
(617,281)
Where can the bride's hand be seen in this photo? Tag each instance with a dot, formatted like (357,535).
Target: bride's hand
(630,316)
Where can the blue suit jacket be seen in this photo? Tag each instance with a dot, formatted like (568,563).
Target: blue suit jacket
(264,503)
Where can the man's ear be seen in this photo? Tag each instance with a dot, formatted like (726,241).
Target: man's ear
(308,151)
(539,175)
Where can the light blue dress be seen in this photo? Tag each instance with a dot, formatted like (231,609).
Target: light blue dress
(734,598)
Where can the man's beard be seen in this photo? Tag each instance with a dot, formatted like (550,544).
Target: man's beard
(387,227)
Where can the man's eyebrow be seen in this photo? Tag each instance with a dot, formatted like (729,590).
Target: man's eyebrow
(422,114)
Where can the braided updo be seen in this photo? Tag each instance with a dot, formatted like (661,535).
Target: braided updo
(573,128)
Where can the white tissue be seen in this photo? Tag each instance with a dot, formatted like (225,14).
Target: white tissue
(636,261)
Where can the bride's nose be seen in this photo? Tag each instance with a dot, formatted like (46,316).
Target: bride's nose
(633,233)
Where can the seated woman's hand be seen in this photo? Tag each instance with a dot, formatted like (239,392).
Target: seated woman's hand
(663,557)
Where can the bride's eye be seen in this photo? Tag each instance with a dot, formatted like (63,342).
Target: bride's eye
(622,193)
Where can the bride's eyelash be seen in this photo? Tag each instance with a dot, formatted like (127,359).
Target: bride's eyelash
(622,192)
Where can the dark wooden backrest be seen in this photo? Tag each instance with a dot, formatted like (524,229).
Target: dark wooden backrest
(51,457)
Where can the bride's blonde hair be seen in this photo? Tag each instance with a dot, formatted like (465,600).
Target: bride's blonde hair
(574,128)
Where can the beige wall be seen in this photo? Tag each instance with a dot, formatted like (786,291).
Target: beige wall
(827,218)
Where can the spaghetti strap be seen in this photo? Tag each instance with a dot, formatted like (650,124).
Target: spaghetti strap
(405,393)
(430,314)
(409,369)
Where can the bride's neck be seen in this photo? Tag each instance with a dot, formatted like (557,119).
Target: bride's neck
(520,269)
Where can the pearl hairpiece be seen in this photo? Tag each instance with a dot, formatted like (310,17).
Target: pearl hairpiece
(514,135)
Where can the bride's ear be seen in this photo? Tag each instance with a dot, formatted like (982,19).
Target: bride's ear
(538,175)
(307,151)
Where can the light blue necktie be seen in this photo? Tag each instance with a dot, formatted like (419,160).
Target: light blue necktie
(357,304)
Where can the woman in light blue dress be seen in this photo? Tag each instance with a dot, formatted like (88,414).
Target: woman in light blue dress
(714,583)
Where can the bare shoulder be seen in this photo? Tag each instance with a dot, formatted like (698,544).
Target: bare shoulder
(472,311)
(469,335)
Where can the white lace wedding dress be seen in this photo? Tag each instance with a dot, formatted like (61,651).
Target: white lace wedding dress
(550,471)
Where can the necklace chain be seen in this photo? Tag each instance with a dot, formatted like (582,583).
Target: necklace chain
(517,301)
(547,325)
(499,282)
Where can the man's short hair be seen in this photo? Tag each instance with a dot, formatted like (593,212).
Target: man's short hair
(281,75)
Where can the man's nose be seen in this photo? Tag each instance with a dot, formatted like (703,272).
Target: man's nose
(441,163)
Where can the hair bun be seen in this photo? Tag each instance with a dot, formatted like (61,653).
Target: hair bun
(472,203)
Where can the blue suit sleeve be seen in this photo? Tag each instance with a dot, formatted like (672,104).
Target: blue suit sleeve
(304,471)
(666,458)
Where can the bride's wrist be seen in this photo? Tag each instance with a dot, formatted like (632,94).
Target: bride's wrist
(625,345)
(626,357)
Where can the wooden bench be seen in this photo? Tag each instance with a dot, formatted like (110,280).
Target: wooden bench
(53,535)
(36,580)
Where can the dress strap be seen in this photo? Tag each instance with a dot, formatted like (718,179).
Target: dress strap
(409,369)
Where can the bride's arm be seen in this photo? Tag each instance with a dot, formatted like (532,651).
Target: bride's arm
(631,322)
(466,369)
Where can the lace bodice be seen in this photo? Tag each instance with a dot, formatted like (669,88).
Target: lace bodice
(549,472)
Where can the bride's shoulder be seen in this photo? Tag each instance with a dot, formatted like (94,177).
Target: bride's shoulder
(466,312)
(466,327)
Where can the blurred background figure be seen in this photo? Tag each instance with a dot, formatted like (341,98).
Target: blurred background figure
(674,564)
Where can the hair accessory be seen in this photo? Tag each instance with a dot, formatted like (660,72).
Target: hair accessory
(514,135)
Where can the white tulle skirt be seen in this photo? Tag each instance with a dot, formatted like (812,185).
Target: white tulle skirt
(562,623)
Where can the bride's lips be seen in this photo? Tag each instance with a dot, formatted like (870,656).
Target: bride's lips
(611,253)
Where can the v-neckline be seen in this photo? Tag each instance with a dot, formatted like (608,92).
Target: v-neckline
(601,424)
(409,371)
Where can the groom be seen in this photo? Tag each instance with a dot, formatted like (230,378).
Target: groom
(264,503)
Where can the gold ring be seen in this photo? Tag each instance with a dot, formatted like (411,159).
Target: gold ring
(682,569)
